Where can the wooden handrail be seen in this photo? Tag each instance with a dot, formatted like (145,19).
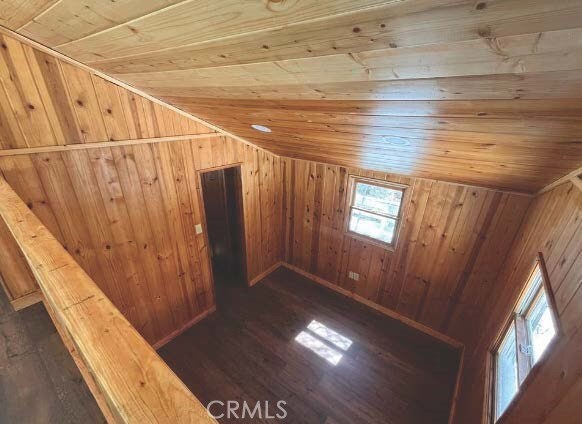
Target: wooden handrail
(131,383)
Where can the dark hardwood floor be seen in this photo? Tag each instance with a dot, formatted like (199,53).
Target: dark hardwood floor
(39,381)
(247,351)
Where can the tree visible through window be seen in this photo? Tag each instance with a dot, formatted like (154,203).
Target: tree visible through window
(527,336)
(375,209)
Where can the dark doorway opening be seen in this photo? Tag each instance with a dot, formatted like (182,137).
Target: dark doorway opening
(222,194)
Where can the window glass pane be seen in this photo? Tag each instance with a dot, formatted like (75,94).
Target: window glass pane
(375,226)
(506,369)
(533,286)
(378,199)
(541,326)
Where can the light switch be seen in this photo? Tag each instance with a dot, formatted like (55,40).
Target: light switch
(198,228)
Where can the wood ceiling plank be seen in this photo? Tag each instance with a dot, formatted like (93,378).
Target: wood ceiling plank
(537,127)
(197,21)
(382,154)
(540,52)
(70,20)
(394,26)
(397,136)
(485,168)
(15,13)
(524,159)
(484,109)
(546,85)
(493,180)
(457,149)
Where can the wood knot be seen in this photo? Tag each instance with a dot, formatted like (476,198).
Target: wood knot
(481,5)
(278,5)
(484,32)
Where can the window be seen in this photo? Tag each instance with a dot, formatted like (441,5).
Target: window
(526,337)
(375,209)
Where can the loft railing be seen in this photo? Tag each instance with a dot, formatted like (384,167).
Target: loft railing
(130,382)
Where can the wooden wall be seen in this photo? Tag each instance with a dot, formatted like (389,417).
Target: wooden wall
(452,242)
(47,102)
(126,213)
(483,92)
(552,226)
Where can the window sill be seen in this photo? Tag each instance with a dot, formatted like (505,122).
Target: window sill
(370,240)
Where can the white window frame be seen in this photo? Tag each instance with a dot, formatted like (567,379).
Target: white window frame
(352,182)
(525,368)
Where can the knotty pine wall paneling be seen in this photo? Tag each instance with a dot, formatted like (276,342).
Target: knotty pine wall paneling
(127,213)
(452,240)
(48,102)
(552,226)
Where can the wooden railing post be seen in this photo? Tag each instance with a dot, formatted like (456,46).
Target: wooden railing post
(131,383)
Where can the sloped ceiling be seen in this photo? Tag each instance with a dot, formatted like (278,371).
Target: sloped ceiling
(481,92)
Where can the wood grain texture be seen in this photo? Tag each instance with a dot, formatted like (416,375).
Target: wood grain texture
(553,227)
(453,238)
(127,214)
(27,300)
(388,362)
(402,25)
(15,13)
(127,207)
(48,102)
(17,279)
(494,144)
(480,58)
(69,20)
(195,22)
(123,369)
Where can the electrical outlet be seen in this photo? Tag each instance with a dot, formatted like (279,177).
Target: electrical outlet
(354,275)
(198,228)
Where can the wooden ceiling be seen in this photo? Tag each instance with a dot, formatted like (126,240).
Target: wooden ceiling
(482,92)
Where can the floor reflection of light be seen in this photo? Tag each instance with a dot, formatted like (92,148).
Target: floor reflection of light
(324,342)
(328,334)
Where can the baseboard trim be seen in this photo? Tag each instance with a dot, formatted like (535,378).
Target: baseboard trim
(160,343)
(383,310)
(263,274)
(26,300)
